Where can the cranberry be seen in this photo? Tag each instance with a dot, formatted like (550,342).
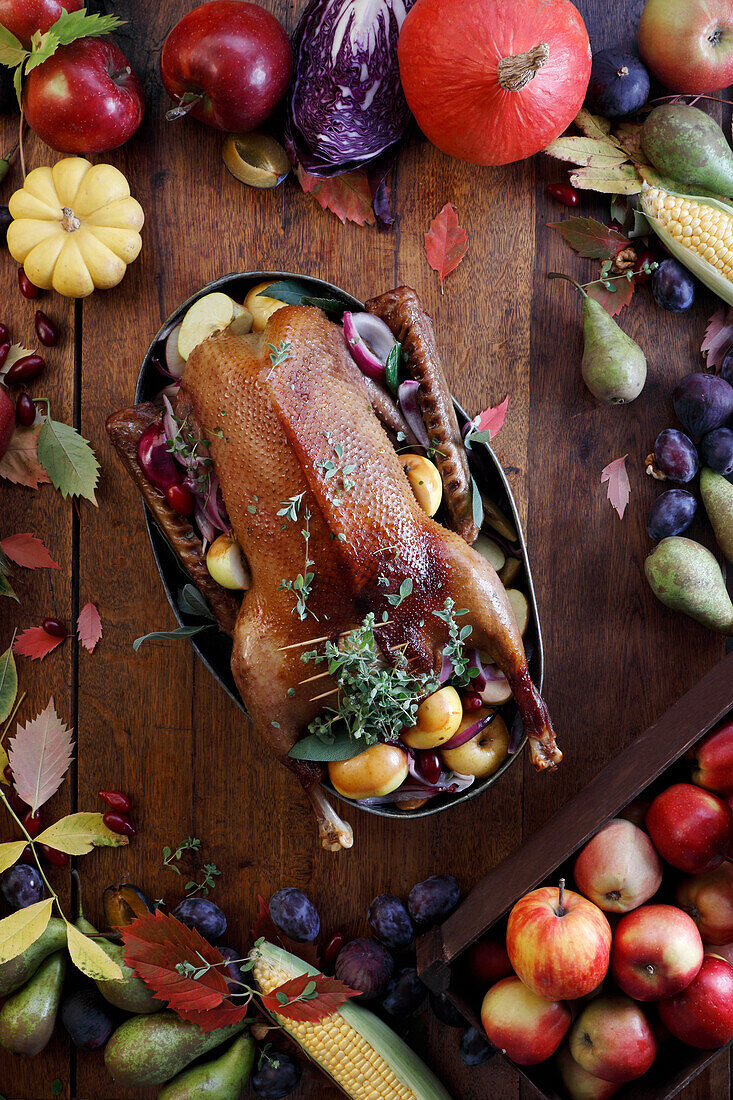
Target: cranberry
(563,193)
(472,701)
(32,822)
(46,330)
(116,800)
(4,349)
(332,948)
(25,411)
(180,500)
(428,765)
(27,288)
(645,256)
(52,855)
(8,773)
(118,823)
(55,628)
(25,369)
(4,334)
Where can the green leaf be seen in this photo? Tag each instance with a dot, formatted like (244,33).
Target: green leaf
(6,589)
(343,747)
(77,834)
(42,50)
(72,25)
(21,929)
(170,635)
(12,51)
(90,958)
(294,293)
(18,85)
(68,460)
(477,505)
(191,602)
(8,682)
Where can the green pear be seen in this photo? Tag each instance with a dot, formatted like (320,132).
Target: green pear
(613,366)
(16,972)
(131,994)
(223,1078)
(27,1018)
(687,145)
(686,577)
(717,496)
(150,1050)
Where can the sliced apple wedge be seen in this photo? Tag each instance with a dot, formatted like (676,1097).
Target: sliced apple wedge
(490,550)
(174,362)
(519,603)
(210,314)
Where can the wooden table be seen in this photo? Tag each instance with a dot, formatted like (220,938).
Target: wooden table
(155,723)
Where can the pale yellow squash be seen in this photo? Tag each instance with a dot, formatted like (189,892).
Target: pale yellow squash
(75,227)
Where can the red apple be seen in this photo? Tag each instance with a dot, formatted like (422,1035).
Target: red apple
(612,1039)
(488,962)
(657,951)
(23,17)
(722,950)
(708,899)
(526,1027)
(691,828)
(619,868)
(702,1014)
(85,98)
(635,811)
(712,760)
(558,943)
(688,44)
(580,1084)
(235,57)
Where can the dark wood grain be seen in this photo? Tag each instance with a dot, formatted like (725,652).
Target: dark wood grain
(155,723)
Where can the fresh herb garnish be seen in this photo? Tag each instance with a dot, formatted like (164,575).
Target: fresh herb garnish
(303,583)
(209,871)
(279,353)
(290,507)
(405,591)
(455,649)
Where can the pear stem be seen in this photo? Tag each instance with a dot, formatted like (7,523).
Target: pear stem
(561,275)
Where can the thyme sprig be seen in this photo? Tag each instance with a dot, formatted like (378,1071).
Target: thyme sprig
(455,648)
(171,857)
(303,583)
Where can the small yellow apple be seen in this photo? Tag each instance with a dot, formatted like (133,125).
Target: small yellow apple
(437,719)
(225,564)
(425,481)
(260,306)
(483,754)
(377,771)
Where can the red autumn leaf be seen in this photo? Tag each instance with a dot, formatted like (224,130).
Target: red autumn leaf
(264,927)
(619,487)
(20,464)
(323,996)
(89,626)
(28,551)
(35,643)
(347,196)
(591,238)
(446,243)
(613,301)
(718,339)
(155,945)
(492,419)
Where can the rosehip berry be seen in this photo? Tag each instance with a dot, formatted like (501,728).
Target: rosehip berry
(4,349)
(55,628)
(4,334)
(46,330)
(332,948)
(472,701)
(52,855)
(8,773)
(563,193)
(27,288)
(429,765)
(25,411)
(180,500)
(25,369)
(118,823)
(32,823)
(116,800)
(16,802)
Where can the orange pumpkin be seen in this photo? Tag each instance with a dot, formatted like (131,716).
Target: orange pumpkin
(494,81)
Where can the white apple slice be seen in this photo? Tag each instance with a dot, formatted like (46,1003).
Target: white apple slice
(490,550)
(174,362)
(210,314)
(520,604)
(242,322)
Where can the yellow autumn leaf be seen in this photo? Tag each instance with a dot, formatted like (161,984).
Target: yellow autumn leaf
(587,151)
(624,180)
(10,853)
(21,929)
(88,956)
(593,126)
(77,834)
(3,764)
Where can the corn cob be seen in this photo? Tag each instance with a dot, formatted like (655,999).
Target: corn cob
(698,231)
(352,1046)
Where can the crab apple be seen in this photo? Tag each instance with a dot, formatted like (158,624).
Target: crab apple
(657,951)
(691,828)
(618,869)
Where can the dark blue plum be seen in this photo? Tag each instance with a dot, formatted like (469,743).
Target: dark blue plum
(716,449)
(673,287)
(675,455)
(726,367)
(446,1011)
(702,402)
(390,922)
(475,1049)
(278,1076)
(619,83)
(21,886)
(431,900)
(88,1018)
(295,914)
(670,514)
(405,994)
(204,916)
(365,965)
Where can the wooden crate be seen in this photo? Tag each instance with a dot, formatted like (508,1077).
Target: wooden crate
(547,854)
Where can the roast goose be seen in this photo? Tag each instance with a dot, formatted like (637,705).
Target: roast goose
(270,431)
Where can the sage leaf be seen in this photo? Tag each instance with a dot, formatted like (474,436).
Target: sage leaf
(294,293)
(313,747)
(191,602)
(170,635)
(477,505)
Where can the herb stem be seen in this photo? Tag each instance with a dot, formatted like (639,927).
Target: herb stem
(30,840)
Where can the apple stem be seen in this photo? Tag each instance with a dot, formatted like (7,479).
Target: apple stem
(560,892)
(185,104)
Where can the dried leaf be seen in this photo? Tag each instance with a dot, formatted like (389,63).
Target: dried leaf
(10,853)
(28,551)
(6,589)
(35,643)
(8,682)
(322,997)
(622,180)
(15,352)
(77,834)
(347,196)
(68,459)
(446,243)
(593,126)
(157,943)
(718,339)
(618,484)
(492,419)
(89,957)
(613,301)
(629,135)
(40,754)
(591,238)
(20,464)
(21,929)
(265,928)
(89,627)
(592,152)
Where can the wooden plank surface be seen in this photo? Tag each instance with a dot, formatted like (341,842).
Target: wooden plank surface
(157,725)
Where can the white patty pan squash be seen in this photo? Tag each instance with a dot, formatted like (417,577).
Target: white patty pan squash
(75,227)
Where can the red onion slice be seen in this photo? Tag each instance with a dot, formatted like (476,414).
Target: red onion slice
(455,783)
(407,397)
(478,683)
(370,341)
(156,462)
(462,736)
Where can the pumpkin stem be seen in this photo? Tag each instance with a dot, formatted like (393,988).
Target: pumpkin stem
(516,71)
(69,220)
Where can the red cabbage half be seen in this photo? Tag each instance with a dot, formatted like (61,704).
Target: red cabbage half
(346,104)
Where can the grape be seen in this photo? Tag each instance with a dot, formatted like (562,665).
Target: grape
(670,514)
(717,450)
(675,455)
(204,916)
(278,1076)
(726,367)
(21,886)
(88,1019)
(390,922)
(365,965)
(295,914)
(431,900)
(475,1051)
(446,1011)
(405,993)
(673,287)
(702,402)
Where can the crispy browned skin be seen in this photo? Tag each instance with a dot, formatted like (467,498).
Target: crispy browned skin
(403,312)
